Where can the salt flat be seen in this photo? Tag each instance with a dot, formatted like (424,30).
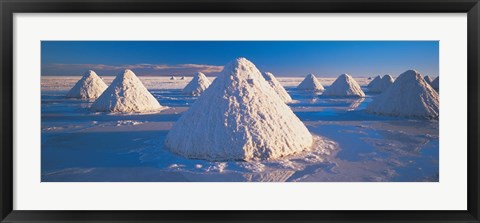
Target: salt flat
(80,145)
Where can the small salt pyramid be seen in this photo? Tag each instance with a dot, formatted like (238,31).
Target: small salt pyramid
(277,87)
(409,96)
(374,81)
(435,84)
(239,117)
(173,78)
(310,83)
(182,78)
(90,86)
(126,94)
(197,85)
(428,79)
(382,85)
(344,86)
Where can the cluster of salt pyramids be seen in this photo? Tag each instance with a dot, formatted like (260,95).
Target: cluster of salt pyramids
(343,86)
(243,114)
(125,94)
(410,95)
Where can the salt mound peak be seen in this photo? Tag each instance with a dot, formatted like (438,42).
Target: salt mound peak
(344,86)
(310,83)
(197,85)
(374,81)
(436,84)
(90,86)
(409,96)
(239,117)
(277,87)
(382,85)
(428,79)
(126,94)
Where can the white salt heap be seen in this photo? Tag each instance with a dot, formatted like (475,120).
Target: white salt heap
(344,86)
(435,84)
(374,81)
(277,87)
(428,79)
(239,117)
(197,85)
(90,86)
(382,85)
(173,78)
(310,83)
(182,78)
(126,94)
(409,96)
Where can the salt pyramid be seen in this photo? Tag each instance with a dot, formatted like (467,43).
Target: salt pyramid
(428,79)
(239,117)
(310,83)
(90,86)
(277,87)
(126,94)
(383,84)
(344,86)
(435,84)
(173,78)
(182,78)
(374,81)
(409,96)
(197,85)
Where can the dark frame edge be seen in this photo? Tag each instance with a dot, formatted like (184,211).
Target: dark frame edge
(6,111)
(7,214)
(473,155)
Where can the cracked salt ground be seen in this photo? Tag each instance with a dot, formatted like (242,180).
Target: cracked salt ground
(78,145)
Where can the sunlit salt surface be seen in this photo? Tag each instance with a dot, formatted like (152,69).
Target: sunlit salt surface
(79,145)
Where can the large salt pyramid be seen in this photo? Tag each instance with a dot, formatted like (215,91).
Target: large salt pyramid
(344,86)
(277,87)
(374,81)
(435,84)
(310,83)
(197,85)
(239,117)
(126,94)
(382,85)
(90,86)
(409,96)
(428,79)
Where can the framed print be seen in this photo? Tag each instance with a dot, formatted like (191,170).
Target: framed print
(239,111)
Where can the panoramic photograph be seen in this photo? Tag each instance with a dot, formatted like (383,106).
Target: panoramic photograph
(240,111)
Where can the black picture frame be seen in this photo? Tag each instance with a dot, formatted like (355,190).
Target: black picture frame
(9,7)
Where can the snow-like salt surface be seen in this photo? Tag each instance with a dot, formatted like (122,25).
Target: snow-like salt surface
(277,87)
(126,94)
(310,83)
(239,117)
(344,86)
(78,145)
(382,85)
(197,85)
(409,96)
(435,84)
(90,86)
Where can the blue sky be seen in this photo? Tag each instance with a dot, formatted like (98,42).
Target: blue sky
(282,58)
